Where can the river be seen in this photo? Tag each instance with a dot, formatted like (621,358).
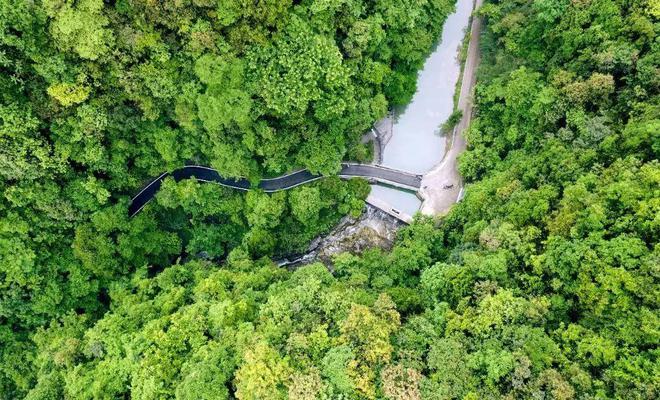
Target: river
(416,144)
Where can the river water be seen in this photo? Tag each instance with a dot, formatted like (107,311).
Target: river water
(416,144)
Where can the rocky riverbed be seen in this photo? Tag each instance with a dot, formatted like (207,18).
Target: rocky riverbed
(373,228)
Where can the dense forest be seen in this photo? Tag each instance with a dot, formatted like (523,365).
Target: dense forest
(541,284)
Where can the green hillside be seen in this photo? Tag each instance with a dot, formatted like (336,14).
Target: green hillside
(542,283)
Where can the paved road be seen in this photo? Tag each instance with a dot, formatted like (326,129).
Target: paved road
(377,173)
(382,174)
(442,186)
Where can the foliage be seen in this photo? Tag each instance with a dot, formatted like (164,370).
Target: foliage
(541,283)
(453,120)
(97,97)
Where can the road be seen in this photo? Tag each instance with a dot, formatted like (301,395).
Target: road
(442,185)
(375,173)
(379,173)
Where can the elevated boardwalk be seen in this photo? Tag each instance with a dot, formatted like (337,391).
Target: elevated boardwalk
(373,173)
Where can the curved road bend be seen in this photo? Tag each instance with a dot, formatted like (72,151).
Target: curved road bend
(205,174)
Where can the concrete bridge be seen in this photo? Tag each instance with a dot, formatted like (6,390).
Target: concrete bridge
(373,173)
